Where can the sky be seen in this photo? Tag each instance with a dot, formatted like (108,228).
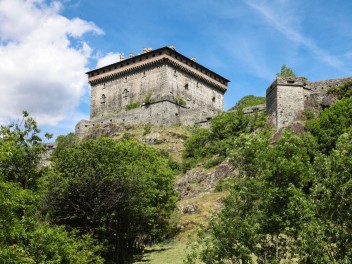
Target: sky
(46,47)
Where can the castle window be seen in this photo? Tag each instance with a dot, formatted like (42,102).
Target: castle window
(186,86)
(125,94)
(102,99)
(213,99)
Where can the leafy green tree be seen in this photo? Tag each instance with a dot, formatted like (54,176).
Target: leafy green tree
(332,122)
(24,236)
(21,144)
(260,219)
(285,72)
(329,235)
(121,193)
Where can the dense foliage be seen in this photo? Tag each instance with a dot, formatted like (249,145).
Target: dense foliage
(344,90)
(205,143)
(25,237)
(121,193)
(291,202)
(332,122)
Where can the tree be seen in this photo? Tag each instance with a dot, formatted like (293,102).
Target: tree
(260,219)
(285,72)
(24,236)
(332,122)
(21,145)
(121,193)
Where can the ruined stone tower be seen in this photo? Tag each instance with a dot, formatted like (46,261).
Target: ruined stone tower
(288,97)
(159,87)
(285,99)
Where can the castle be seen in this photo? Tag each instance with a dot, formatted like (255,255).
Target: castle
(163,87)
(158,87)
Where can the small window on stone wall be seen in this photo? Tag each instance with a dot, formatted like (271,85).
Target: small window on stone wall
(103,99)
(186,86)
(125,94)
(213,99)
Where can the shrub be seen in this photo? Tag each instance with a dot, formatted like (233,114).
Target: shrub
(132,105)
(180,101)
(148,98)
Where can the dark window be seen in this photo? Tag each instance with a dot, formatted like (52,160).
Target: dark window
(102,99)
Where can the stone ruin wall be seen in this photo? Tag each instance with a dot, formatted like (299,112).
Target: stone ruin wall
(287,98)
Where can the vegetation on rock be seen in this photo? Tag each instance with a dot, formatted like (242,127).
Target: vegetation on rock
(291,201)
(249,100)
(133,105)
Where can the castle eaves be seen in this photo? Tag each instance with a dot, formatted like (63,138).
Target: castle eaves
(161,55)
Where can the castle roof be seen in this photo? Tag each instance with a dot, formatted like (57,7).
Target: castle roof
(155,57)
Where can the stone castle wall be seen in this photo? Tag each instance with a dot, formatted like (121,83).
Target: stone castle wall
(168,87)
(160,83)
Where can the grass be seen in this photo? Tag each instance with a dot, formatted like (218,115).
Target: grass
(172,252)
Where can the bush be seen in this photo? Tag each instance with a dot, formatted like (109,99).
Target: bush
(344,90)
(148,98)
(180,101)
(332,122)
(225,128)
(132,105)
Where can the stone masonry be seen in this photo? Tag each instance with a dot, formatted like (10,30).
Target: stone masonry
(162,86)
(287,98)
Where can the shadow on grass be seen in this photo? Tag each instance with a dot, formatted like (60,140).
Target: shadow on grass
(143,257)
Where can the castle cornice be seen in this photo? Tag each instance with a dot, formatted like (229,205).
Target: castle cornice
(153,58)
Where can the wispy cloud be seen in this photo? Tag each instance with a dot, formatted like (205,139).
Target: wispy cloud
(293,34)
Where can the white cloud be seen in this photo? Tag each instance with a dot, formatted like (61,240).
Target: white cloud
(43,60)
(108,59)
(282,21)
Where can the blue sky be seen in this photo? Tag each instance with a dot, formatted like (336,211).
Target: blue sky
(47,46)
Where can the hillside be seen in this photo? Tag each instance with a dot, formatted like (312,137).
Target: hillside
(237,191)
